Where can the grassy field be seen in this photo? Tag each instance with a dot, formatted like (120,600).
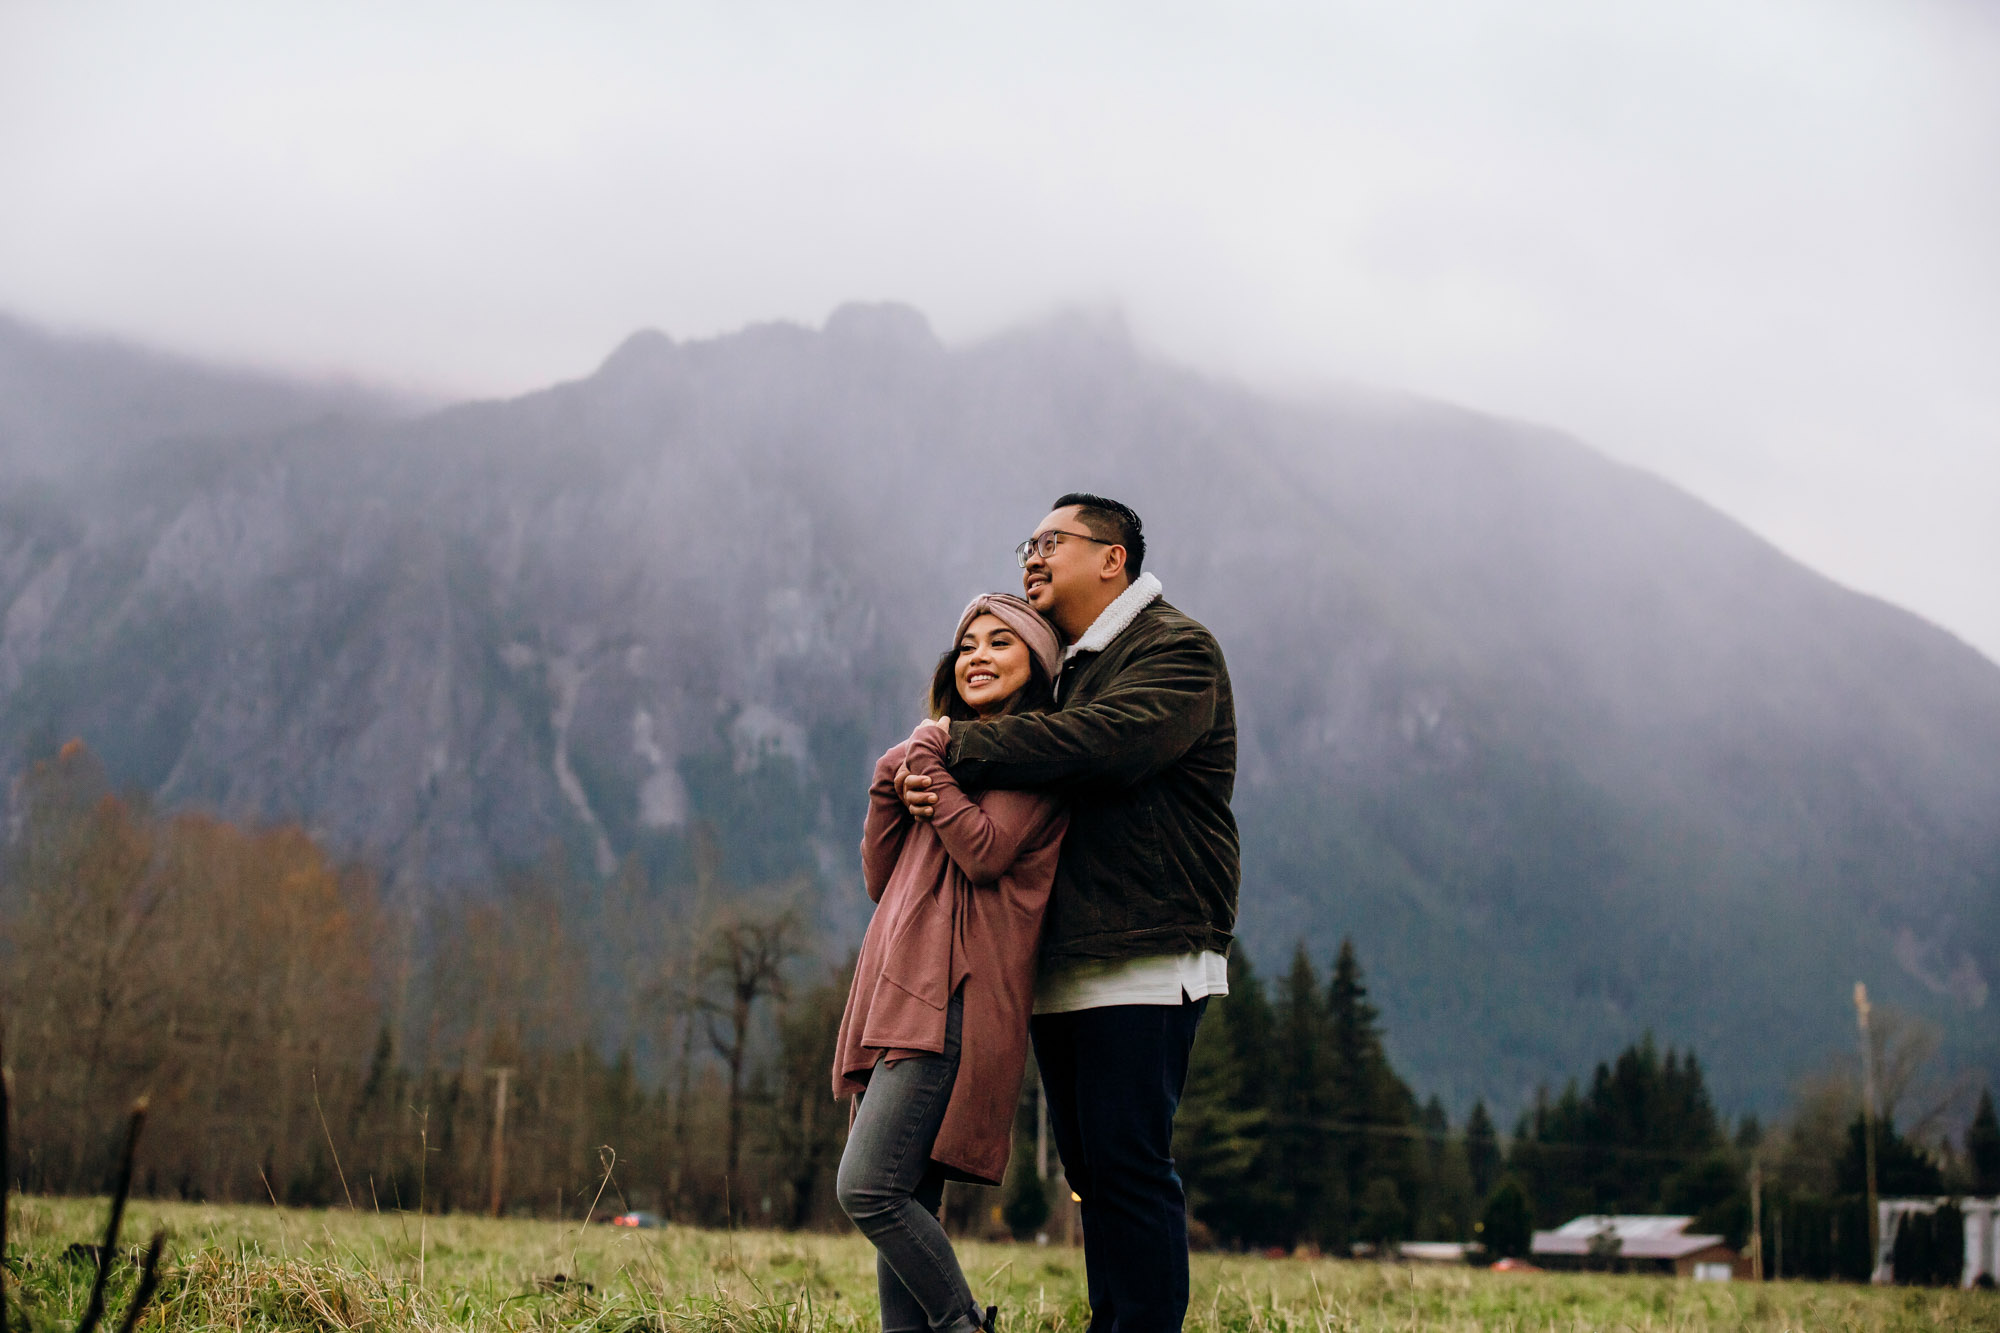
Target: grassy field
(253,1268)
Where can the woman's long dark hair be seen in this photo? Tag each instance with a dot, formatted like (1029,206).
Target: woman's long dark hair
(1037,694)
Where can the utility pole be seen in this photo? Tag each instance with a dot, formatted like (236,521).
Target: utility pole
(1757,1218)
(501,1075)
(1868,1124)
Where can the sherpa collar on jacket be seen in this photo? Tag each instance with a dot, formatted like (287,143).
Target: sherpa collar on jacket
(1113,619)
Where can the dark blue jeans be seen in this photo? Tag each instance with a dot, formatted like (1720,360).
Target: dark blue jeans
(1114,1078)
(891,1188)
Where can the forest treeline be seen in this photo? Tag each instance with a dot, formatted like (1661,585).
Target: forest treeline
(303,1041)
(556,1044)
(1296,1130)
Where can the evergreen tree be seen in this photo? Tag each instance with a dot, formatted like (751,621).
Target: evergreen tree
(1311,1195)
(1615,1148)
(1356,1053)
(1445,1188)
(1713,1189)
(1292,1114)
(1382,1220)
(1559,1183)
(1507,1228)
(1901,1167)
(1223,1141)
(1374,1110)
(1434,1131)
(1482,1151)
(1251,1027)
(1219,1134)
(1982,1148)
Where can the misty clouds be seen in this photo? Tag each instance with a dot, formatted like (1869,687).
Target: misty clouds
(1746,246)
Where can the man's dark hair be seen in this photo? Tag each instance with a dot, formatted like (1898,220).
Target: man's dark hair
(1111,522)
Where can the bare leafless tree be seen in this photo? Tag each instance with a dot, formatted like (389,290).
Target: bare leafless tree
(745,950)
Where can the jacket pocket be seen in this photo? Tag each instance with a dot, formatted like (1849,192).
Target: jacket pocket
(917,956)
(931,991)
(1150,829)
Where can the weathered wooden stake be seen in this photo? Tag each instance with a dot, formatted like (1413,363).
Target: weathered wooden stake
(1757,1218)
(499,1132)
(1868,1127)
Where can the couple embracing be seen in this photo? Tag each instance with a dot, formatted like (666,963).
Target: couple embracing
(1053,858)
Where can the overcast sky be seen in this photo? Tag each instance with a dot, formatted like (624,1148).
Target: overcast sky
(1749,245)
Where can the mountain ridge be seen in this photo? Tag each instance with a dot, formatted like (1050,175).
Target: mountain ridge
(1546,735)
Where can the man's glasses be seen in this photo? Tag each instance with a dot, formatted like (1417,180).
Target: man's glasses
(1044,544)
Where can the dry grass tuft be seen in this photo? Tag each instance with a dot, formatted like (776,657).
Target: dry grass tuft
(220,1290)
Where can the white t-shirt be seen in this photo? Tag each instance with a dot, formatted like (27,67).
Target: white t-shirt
(1161,979)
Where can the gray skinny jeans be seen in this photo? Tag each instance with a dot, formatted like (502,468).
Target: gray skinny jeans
(892,1189)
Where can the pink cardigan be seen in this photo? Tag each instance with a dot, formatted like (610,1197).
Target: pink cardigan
(959,901)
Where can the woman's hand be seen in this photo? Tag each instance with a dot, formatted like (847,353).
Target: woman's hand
(938,722)
(914,791)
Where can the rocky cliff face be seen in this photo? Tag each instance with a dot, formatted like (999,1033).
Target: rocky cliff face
(1569,754)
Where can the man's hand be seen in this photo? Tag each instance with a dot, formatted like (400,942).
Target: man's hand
(914,791)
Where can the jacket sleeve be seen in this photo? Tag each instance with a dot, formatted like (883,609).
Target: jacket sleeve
(1150,714)
(887,825)
(983,837)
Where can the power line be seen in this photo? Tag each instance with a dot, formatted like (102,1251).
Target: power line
(1431,1136)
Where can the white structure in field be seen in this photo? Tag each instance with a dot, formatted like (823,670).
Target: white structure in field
(1982,1236)
(1982,1241)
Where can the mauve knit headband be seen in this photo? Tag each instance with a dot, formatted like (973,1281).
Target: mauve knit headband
(1024,620)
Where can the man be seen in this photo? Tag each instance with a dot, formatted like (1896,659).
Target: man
(1143,747)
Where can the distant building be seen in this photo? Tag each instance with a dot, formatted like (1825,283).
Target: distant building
(1982,1236)
(1434,1251)
(1416,1251)
(1634,1244)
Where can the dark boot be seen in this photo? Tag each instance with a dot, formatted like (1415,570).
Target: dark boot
(973,1322)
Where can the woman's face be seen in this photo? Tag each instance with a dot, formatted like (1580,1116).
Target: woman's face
(992,664)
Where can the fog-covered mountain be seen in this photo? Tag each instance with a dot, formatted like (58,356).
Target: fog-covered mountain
(1568,753)
(75,404)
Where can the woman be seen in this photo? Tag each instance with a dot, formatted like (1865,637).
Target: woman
(936,1029)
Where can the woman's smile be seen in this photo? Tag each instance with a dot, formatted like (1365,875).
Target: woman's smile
(992,664)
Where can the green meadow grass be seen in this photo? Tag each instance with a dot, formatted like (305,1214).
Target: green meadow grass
(243,1268)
